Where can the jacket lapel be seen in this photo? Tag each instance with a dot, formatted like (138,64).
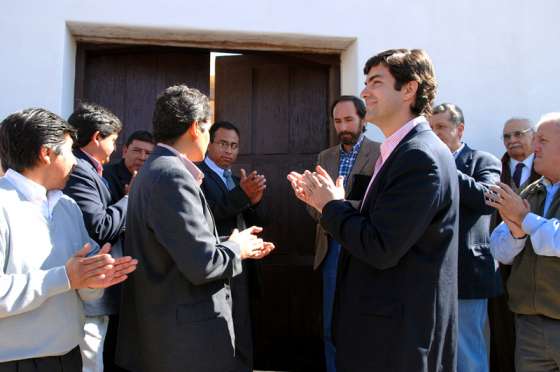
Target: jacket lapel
(464,160)
(380,175)
(213,176)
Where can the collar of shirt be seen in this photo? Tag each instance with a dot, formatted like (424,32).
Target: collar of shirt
(191,167)
(551,190)
(458,151)
(215,168)
(528,161)
(355,148)
(34,192)
(98,166)
(391,142)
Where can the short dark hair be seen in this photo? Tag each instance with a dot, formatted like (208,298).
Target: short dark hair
(176,109)
(455,112)
(409,65)
(23,133)
(358,104)
(222,125)
(89,118)
(140,135)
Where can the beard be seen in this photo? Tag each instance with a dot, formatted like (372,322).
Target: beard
(348,138)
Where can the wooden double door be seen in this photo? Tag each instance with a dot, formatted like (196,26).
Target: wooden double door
(280,104)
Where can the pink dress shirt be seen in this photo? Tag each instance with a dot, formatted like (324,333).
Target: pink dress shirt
(191,167)
(389,145)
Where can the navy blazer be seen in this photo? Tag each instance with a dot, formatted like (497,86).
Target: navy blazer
(396,296)
(104,217)
(104,220)
(478,275)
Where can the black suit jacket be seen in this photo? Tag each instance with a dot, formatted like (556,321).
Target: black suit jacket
(227,205)
(176,307)
(117,176)
(396,300)
(233,210)
(478,275)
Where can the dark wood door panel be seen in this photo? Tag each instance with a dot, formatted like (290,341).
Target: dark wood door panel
(127,80)
(280,104)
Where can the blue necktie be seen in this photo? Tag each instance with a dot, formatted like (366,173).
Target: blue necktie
(229,179)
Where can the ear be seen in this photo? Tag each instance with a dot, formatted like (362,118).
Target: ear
(96,137)
(124,150)
(194,130)
(410,89)
(45,155)
(460,129)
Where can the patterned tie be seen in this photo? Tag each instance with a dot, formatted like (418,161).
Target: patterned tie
(517,174)
(229,179)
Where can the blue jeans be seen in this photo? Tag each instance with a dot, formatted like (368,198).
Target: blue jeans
(330,266)
(472,349)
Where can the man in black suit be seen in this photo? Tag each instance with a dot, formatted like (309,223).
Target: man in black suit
(479,278)
(235,204)
(396,297)
(104,217)
(139,145)
(176,314)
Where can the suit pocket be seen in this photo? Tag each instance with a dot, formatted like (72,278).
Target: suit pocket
(198,312)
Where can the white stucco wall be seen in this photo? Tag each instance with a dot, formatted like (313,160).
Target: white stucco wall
(495,59)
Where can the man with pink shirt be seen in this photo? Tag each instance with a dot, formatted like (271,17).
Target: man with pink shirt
(396,301)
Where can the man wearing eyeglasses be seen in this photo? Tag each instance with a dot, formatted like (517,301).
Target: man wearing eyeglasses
(517,162)
(235,204)
(517,173)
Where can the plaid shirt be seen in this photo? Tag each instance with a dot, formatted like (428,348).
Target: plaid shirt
(347,159)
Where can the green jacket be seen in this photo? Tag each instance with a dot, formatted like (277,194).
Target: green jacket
(534,283)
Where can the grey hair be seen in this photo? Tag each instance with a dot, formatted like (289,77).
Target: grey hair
(455,112)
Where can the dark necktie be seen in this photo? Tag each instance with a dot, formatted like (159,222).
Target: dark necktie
(517,174)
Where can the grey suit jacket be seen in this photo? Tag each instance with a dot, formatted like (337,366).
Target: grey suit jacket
(176,308)
(329,160)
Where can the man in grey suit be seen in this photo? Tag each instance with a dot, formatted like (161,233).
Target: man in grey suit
(353,158)
(176,315)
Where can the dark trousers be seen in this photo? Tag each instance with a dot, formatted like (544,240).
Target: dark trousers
(110,346)
(502,330)
(69,362)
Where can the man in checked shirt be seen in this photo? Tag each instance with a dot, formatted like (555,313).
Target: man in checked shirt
(353,158)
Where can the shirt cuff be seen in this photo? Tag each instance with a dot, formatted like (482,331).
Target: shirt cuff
(531,223)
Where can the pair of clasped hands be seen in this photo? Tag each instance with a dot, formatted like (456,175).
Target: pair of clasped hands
(511,207)
(100,270)
(316,188)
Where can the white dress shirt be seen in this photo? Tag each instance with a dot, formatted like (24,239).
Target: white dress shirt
(526,171)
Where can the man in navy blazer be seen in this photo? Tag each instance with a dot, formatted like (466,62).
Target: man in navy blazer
(479,278)
(396,297)
(104,218)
